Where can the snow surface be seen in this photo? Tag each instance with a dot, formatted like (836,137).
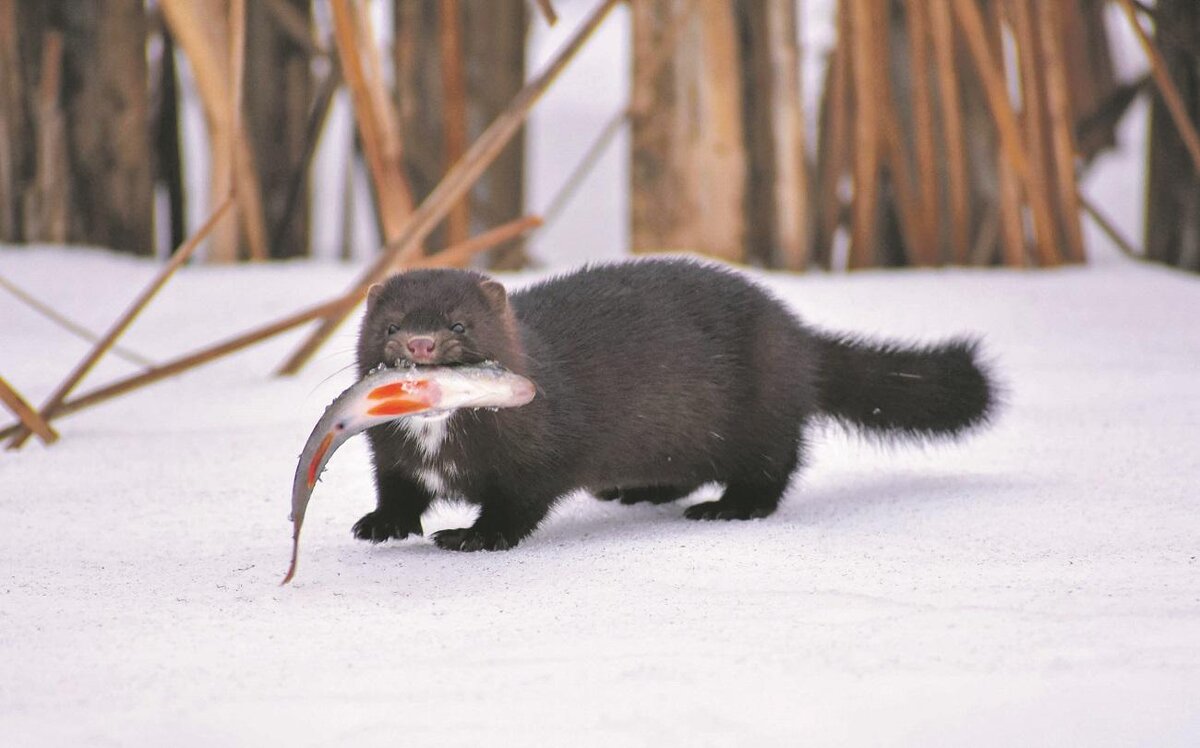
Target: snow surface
(1036,584)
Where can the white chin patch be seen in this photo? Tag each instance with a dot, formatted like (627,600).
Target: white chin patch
(431,418)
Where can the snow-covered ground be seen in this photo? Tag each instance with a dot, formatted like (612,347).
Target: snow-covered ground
(1036,584)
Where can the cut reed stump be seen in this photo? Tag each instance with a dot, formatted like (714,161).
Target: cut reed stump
(778,207)
(689,159)
(1173,195)
(280,83)
(75,160)
(443,105)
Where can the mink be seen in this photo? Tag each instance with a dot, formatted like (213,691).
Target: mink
(654,377)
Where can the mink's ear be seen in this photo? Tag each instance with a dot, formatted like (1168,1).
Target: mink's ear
(373,294)
(494,293)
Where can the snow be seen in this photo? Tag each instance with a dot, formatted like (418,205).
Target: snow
(1034,584)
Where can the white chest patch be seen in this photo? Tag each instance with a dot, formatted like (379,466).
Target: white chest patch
(429,433)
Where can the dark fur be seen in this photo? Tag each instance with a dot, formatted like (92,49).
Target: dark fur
(654,378)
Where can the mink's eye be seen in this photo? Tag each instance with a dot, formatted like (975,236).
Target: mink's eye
(458,327)
(393,329)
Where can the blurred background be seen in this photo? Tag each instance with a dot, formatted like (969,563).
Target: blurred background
(794,134)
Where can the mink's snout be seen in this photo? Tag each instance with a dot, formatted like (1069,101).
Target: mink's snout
(420,348)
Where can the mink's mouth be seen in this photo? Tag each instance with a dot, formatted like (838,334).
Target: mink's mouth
(407,363)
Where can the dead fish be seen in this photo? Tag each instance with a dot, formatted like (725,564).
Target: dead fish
(386,394)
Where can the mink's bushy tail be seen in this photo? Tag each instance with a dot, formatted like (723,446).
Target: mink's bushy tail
(893,390)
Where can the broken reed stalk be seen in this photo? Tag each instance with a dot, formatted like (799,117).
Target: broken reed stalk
(1036,120)
(460,177)
(51,194)
(792,191)
(237,62)
(907,207)
(834,144)
(460,254)
(1012,229)
(923,134)
(372,113)
(29,417)
(865,208)
(547,9)
(1166,86)
(953,129)
(69,325)
(1109,228)
(188,23)
(322,102)
(454,111)
(293,23)
(55,402)
(1062,125)
(898,158)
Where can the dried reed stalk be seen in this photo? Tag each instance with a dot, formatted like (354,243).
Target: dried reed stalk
(791,190)
(953,131)
(1062,125)
(834,145)
(1035,117)
(49,220)
(454,111)
(1109,228)
(29,417)
(1166,86)
(547,9)
(867,140)
(923,133)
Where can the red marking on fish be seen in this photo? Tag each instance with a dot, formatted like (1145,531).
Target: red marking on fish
(316,460)
(397,389)
(398,406)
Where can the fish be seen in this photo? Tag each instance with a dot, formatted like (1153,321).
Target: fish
(387,394)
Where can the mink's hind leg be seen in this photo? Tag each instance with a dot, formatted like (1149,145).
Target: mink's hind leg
(401,502)
(647,494)
(503,522)
(755,492)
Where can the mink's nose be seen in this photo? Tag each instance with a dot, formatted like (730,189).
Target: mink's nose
(420,348)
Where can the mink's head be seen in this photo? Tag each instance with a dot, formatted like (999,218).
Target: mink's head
(436,317)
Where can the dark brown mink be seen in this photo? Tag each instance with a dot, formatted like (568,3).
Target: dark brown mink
(654,377)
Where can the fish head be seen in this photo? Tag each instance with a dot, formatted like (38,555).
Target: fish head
(484,386)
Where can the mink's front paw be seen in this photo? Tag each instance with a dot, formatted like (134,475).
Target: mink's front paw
(378,526)
(471,539)
(725,510)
